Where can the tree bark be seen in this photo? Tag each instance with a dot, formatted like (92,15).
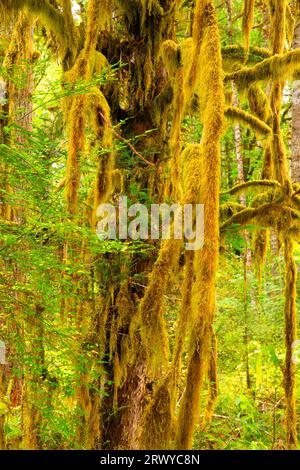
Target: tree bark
(295,138)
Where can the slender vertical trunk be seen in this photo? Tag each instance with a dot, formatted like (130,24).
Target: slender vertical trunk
(290,338)
(295,138)
(247,253)
(34,374)
(18,64)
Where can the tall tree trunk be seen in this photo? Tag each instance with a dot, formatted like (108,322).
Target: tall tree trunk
(19,87)
(295,137)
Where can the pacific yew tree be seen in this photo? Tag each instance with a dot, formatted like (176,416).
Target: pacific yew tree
(143,344)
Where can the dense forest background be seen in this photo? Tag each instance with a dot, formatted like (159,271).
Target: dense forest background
(142,344)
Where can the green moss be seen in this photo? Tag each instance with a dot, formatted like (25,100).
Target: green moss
(206,68)
(249,120)
(278,67)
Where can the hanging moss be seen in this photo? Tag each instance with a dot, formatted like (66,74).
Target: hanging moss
(229,208)
(183,88)
(75,150)
(249,214)
(171,56)
(278,151)
(150,8)
(213,382)
(76,107)
(205,264)
(235,56)
(159,423)
(283,224)
(249,120)
(179,102)
(278,67)
(119,323)
(117,380)
(254,184)
(161,108)
(185,314)
(52,18)
(102,127)
(268,164)
(100,62)
(190,164)
(259,103)
(152,325)
(260,252)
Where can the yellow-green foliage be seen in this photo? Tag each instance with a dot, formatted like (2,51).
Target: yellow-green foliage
(247,119)
(177,59)
(94,17)
(278,152)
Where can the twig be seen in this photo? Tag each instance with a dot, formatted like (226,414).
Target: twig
(126,142)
